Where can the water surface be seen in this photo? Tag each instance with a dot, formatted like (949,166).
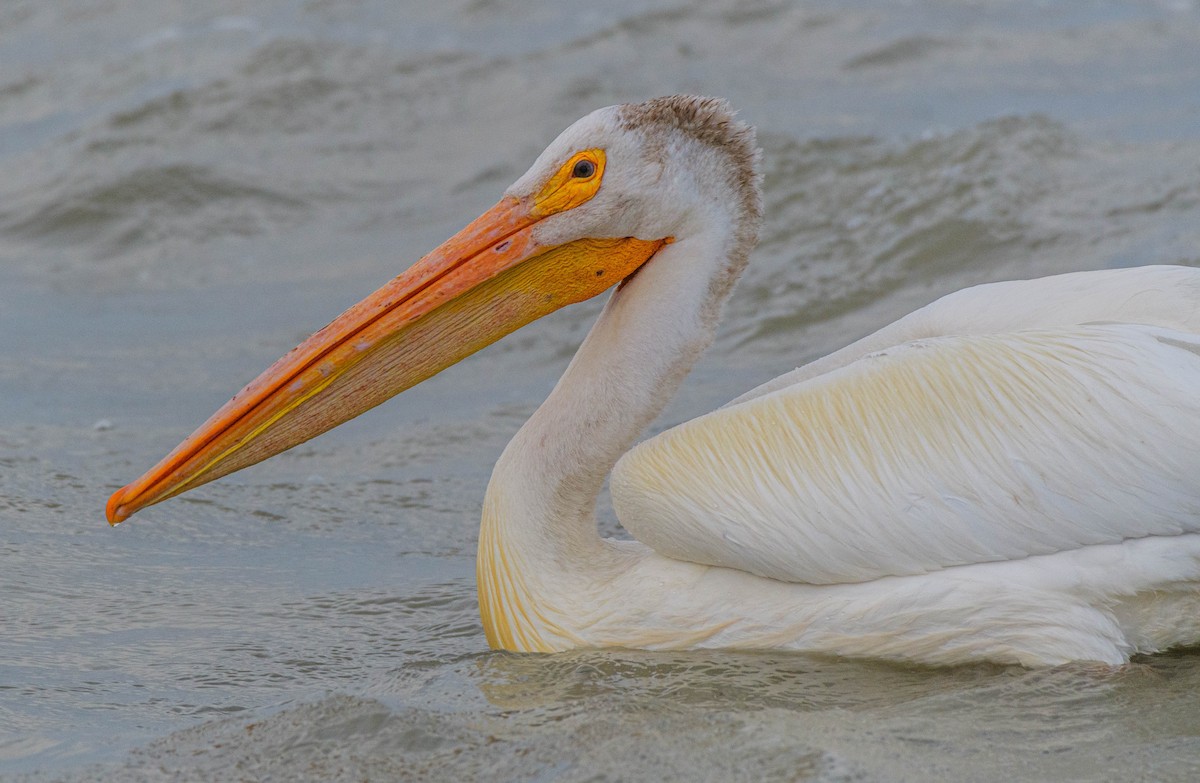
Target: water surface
(190,189)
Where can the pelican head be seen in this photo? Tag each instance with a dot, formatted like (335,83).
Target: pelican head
(596,207)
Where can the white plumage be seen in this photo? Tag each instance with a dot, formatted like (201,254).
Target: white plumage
(1003,475)
(956,447)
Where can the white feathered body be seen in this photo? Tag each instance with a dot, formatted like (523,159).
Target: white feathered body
(1011,474)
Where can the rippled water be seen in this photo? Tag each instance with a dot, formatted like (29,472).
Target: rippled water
(187,190)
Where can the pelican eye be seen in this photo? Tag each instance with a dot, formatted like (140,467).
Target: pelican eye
(576,181)
(583,169)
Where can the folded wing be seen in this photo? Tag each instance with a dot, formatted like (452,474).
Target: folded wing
(933,453)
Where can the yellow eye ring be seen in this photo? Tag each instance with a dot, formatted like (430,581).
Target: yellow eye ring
(575,182)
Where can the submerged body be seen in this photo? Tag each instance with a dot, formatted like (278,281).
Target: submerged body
(1004,475)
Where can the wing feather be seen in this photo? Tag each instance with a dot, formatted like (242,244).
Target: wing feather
(1167,296)
(934,453)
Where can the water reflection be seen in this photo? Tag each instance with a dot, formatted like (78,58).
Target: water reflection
(707,680)
(601,714)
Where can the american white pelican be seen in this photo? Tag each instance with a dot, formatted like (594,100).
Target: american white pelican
(1009,474)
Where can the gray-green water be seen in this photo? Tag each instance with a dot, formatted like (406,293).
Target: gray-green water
(188,189)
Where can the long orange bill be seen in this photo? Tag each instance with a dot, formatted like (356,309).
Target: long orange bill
(488,280)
